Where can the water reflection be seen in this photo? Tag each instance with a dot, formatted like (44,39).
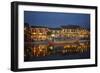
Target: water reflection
(47,49)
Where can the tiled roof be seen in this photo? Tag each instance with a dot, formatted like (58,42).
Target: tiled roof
(38,26)
(55,28)
(70,26)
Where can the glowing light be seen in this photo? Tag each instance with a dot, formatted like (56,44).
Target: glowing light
(52,35)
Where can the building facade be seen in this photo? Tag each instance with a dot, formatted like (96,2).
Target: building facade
(46,41)
(39,33)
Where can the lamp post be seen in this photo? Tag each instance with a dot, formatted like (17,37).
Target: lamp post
(53,41)
(53,37)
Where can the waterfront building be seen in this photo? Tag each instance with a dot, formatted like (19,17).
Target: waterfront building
(66,39)
(39,33)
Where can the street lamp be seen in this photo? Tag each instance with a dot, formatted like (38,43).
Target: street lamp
(53,36)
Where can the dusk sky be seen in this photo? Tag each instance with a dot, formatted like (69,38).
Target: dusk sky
(55,19)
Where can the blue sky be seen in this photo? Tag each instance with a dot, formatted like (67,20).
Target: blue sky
(55,19)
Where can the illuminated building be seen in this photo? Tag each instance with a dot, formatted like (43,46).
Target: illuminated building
(55,33)
(66,39)
(74,31)
(27,33)
(84,33)
(27,40)
(39,33)
(78,38)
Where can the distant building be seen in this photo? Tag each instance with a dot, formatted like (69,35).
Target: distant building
(39,33)
(72,38)
(55,33)
(27,33)
(27,39)
(74,31)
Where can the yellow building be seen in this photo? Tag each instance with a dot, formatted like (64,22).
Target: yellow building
(39,33)
(27,33)
(69,36)
(84,33)
(55,32)
(74,31)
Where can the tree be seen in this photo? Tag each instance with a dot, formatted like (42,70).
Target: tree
(49,33)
